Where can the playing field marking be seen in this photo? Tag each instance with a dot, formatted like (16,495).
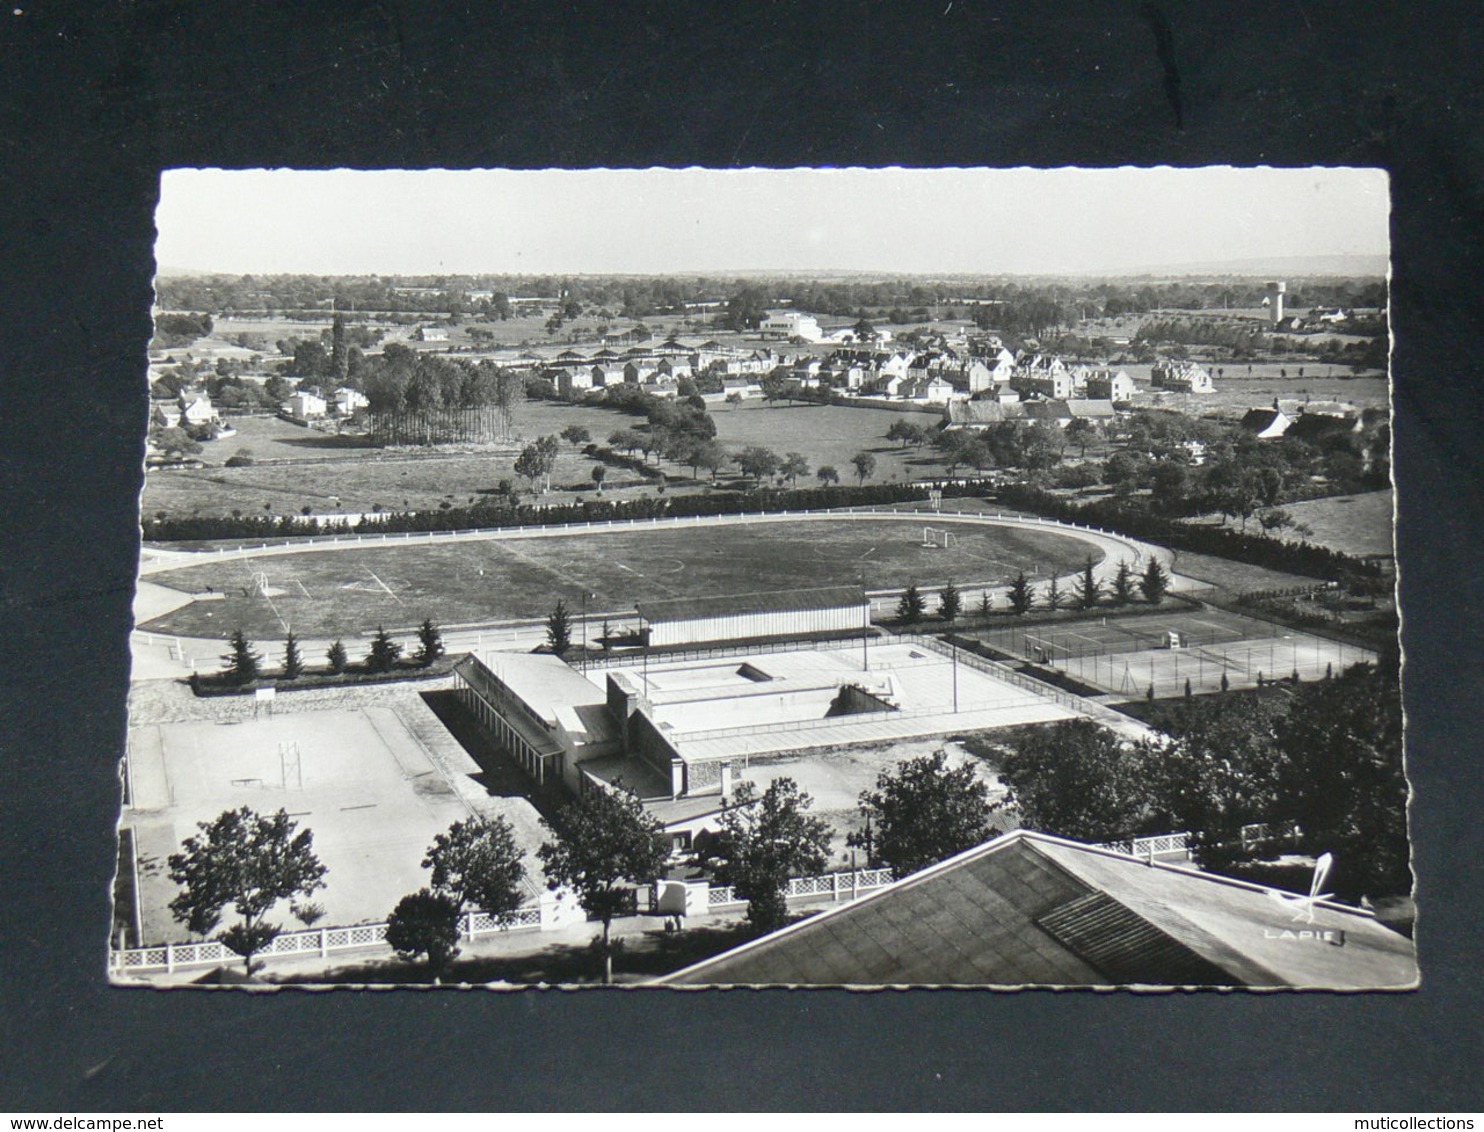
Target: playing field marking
(386,587)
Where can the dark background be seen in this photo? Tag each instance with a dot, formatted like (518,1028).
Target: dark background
(96,98)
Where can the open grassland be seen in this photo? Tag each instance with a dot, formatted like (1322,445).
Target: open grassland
(344,592)
(1352,524)
(828,434)
(347,476)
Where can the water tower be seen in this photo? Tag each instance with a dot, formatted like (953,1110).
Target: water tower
(1275,301)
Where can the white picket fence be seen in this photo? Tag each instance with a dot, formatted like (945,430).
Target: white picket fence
(837,886)
(319,942)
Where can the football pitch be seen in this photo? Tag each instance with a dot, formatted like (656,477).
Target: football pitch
(348,591)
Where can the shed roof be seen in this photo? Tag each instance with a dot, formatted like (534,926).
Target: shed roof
(777,601)
(1028,908)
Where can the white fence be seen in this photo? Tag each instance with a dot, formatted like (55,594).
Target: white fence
(319,942)
(836,886)
(1250,837)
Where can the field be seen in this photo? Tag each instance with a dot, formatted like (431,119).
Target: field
(344,592)
(349,477)
(362,784)
(1352,524)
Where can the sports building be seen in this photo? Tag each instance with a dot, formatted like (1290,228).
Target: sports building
(791,614)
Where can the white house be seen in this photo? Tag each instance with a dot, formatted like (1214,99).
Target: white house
(1180,377)
(347,401)
(303,406)
(792,324)
(432,334)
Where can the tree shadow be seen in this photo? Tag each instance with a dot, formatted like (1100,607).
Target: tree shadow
(638,957)
(325,440)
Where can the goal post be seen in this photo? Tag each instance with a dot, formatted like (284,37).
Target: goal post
(933,537)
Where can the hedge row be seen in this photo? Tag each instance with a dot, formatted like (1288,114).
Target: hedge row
(1221,542)
(502,514)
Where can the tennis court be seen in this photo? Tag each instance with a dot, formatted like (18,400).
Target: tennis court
(1212,649)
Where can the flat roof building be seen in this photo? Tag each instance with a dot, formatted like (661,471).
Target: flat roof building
(739,617)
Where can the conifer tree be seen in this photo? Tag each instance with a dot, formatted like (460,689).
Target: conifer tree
(293,661)
(912,606)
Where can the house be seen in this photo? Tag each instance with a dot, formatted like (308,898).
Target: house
(305,406)
(1093,409)
(792,324)
(638,371)
(1029,909)
(605,375)
(982,413)
(1044,377)
(570,381)
(432,334)
(740,387)
(1109,385)
(1049,412)
(1266,423)
(347,401)
(930,391)
(1180,377)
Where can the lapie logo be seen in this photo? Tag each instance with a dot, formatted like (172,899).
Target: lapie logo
(1301,908)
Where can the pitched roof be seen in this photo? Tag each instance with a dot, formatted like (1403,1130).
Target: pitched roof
(1090,407)
(1031,909)
(724,605)
(984,412)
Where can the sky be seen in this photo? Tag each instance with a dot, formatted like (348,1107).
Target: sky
(897,221)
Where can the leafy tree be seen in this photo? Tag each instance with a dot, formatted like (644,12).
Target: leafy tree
(425,923)
(764,840)
(1342,779)
(1155,583)
(606,843)
(794,465)
(430,644)
(249,862)
(826,475)
(384,652)
(865,465)
(559,629)
(746,309)
(905,432)
(1022,596)
(576,435)
(536,461)
(1217,773)
(293,661)
(912,605)
(950,604)
(242,663)
(1077,779)
(1089,590)
(336,657)
(705,453)
(477,864)
(1123,584)
(600,473)
(923,812)
(1083,432)
(758,462)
